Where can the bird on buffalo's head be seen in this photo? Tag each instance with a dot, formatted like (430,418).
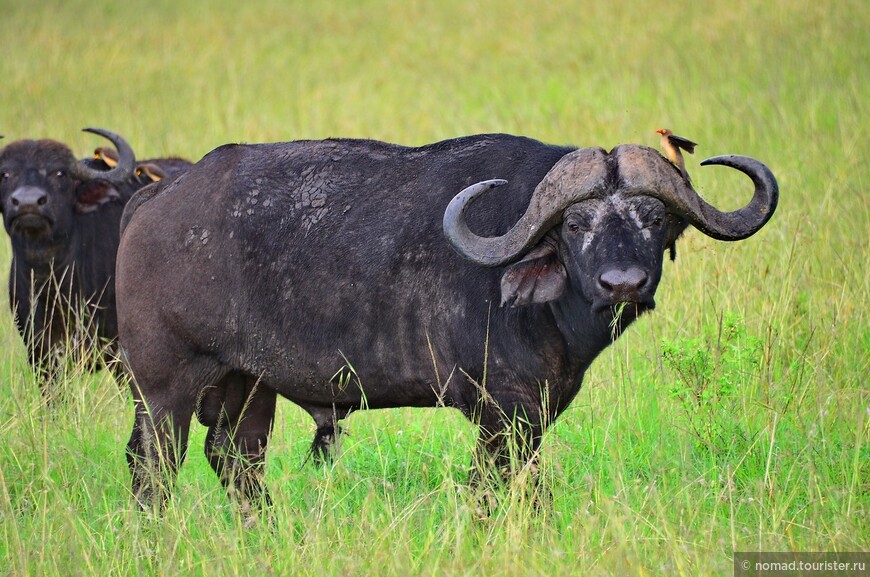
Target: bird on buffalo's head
(671,144)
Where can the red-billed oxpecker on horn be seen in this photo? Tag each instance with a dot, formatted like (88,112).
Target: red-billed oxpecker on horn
(671,144)
(148,170)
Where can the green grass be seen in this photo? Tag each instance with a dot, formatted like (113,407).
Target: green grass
(688,441)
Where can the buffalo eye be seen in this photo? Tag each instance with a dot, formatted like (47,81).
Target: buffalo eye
(4,175)
(577,223)
(60,174)
(652,218)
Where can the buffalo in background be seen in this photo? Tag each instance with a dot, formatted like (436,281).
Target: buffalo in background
(63,217)
(319,271)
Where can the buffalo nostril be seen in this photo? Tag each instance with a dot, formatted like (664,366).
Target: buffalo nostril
(621,281)
(29,196)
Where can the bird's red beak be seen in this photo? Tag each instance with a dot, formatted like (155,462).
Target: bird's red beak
(660,131)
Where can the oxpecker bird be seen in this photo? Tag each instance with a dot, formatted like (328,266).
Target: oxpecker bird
(107,155)
(110,157)
(671,143)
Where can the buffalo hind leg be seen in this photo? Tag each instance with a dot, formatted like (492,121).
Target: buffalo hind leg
(239,420)
(164,395)
(156,449)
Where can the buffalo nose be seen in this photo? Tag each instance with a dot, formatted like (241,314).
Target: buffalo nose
(623,282)
(28,196)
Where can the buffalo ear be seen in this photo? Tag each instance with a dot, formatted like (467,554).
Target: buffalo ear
(538,278)
(93,193)
(677,226)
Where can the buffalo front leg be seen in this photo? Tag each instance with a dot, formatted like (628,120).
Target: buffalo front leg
(45,360)
(507,450)
(508,443)
(236,445)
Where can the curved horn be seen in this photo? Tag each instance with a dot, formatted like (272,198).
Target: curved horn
(475,248)
(744,222)
(577,176)
(645,171)
(126,160)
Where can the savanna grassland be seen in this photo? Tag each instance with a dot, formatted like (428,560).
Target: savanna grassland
(735,417)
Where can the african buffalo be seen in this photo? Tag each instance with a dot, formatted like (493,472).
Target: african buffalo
(63,218)
(319,271)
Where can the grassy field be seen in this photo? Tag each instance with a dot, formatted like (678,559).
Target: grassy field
(735,417)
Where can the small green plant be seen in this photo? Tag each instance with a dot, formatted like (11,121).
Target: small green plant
(710,372)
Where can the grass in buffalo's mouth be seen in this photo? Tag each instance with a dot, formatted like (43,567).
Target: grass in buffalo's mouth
(615,322)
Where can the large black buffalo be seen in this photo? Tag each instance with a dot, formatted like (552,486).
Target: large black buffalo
(63,218)
(320,271)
